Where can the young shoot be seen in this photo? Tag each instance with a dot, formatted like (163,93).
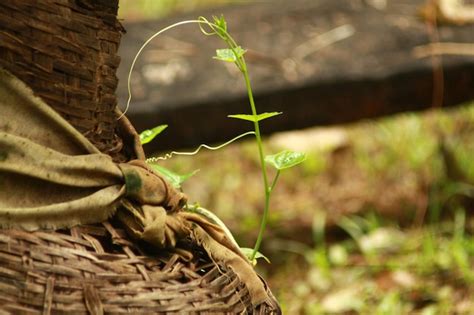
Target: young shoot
(280,161)
(234,53)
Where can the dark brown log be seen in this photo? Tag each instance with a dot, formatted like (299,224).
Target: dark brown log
(371,73)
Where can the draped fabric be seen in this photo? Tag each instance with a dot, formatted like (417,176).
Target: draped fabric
(52,177)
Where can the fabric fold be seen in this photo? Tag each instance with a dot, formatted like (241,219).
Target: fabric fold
(64,214)
(22,156)
(52,177)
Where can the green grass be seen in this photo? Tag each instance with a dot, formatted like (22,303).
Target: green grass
(154,9)
(424,271)
(345,227)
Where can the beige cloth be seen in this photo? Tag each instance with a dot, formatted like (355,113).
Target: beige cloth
(52,177)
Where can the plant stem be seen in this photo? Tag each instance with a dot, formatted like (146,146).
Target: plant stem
(240,63)
(277,175)
(258,137)
(263,224)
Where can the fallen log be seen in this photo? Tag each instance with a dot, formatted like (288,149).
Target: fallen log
(321,62)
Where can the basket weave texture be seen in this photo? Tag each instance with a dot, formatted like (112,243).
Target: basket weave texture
(66,52)
(74,273)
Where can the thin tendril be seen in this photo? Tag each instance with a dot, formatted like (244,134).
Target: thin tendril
(201,27)
(199,21)
(169,155)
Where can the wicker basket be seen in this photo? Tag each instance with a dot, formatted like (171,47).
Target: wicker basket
(97,270)
(65,50)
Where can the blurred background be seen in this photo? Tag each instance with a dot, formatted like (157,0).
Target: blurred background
(378,219)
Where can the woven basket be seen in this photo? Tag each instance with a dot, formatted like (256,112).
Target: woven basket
(66,51)
(97,270)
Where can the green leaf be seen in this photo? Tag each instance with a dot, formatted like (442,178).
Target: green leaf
(248,253)
(255,118)
(228,54)
(285,159)
(148,135)
(175,179)
(220,21)
(216,220)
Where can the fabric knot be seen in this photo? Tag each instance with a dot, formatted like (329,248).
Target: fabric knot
(146,187)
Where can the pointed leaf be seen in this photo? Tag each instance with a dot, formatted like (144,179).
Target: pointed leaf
(175,179)
(256,118)
(220,21)
(216,220)
(248,253)
(228,54)
(285,159)
(148,135)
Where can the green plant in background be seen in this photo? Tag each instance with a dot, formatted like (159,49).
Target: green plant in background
(280,161)
(319,255)
(153,9)
(372,237)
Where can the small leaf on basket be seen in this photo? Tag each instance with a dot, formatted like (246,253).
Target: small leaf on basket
(248,253)
(175,179)
(149,134)
(285,159)
(210,216)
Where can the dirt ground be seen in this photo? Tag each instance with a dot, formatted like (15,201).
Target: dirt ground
(387,203)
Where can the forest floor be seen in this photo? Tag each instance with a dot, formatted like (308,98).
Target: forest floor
(377,220)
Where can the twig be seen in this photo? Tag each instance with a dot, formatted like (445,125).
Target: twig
(316,43)
(437,49)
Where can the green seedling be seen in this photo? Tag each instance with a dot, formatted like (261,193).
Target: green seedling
(253,259)
(235,54)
